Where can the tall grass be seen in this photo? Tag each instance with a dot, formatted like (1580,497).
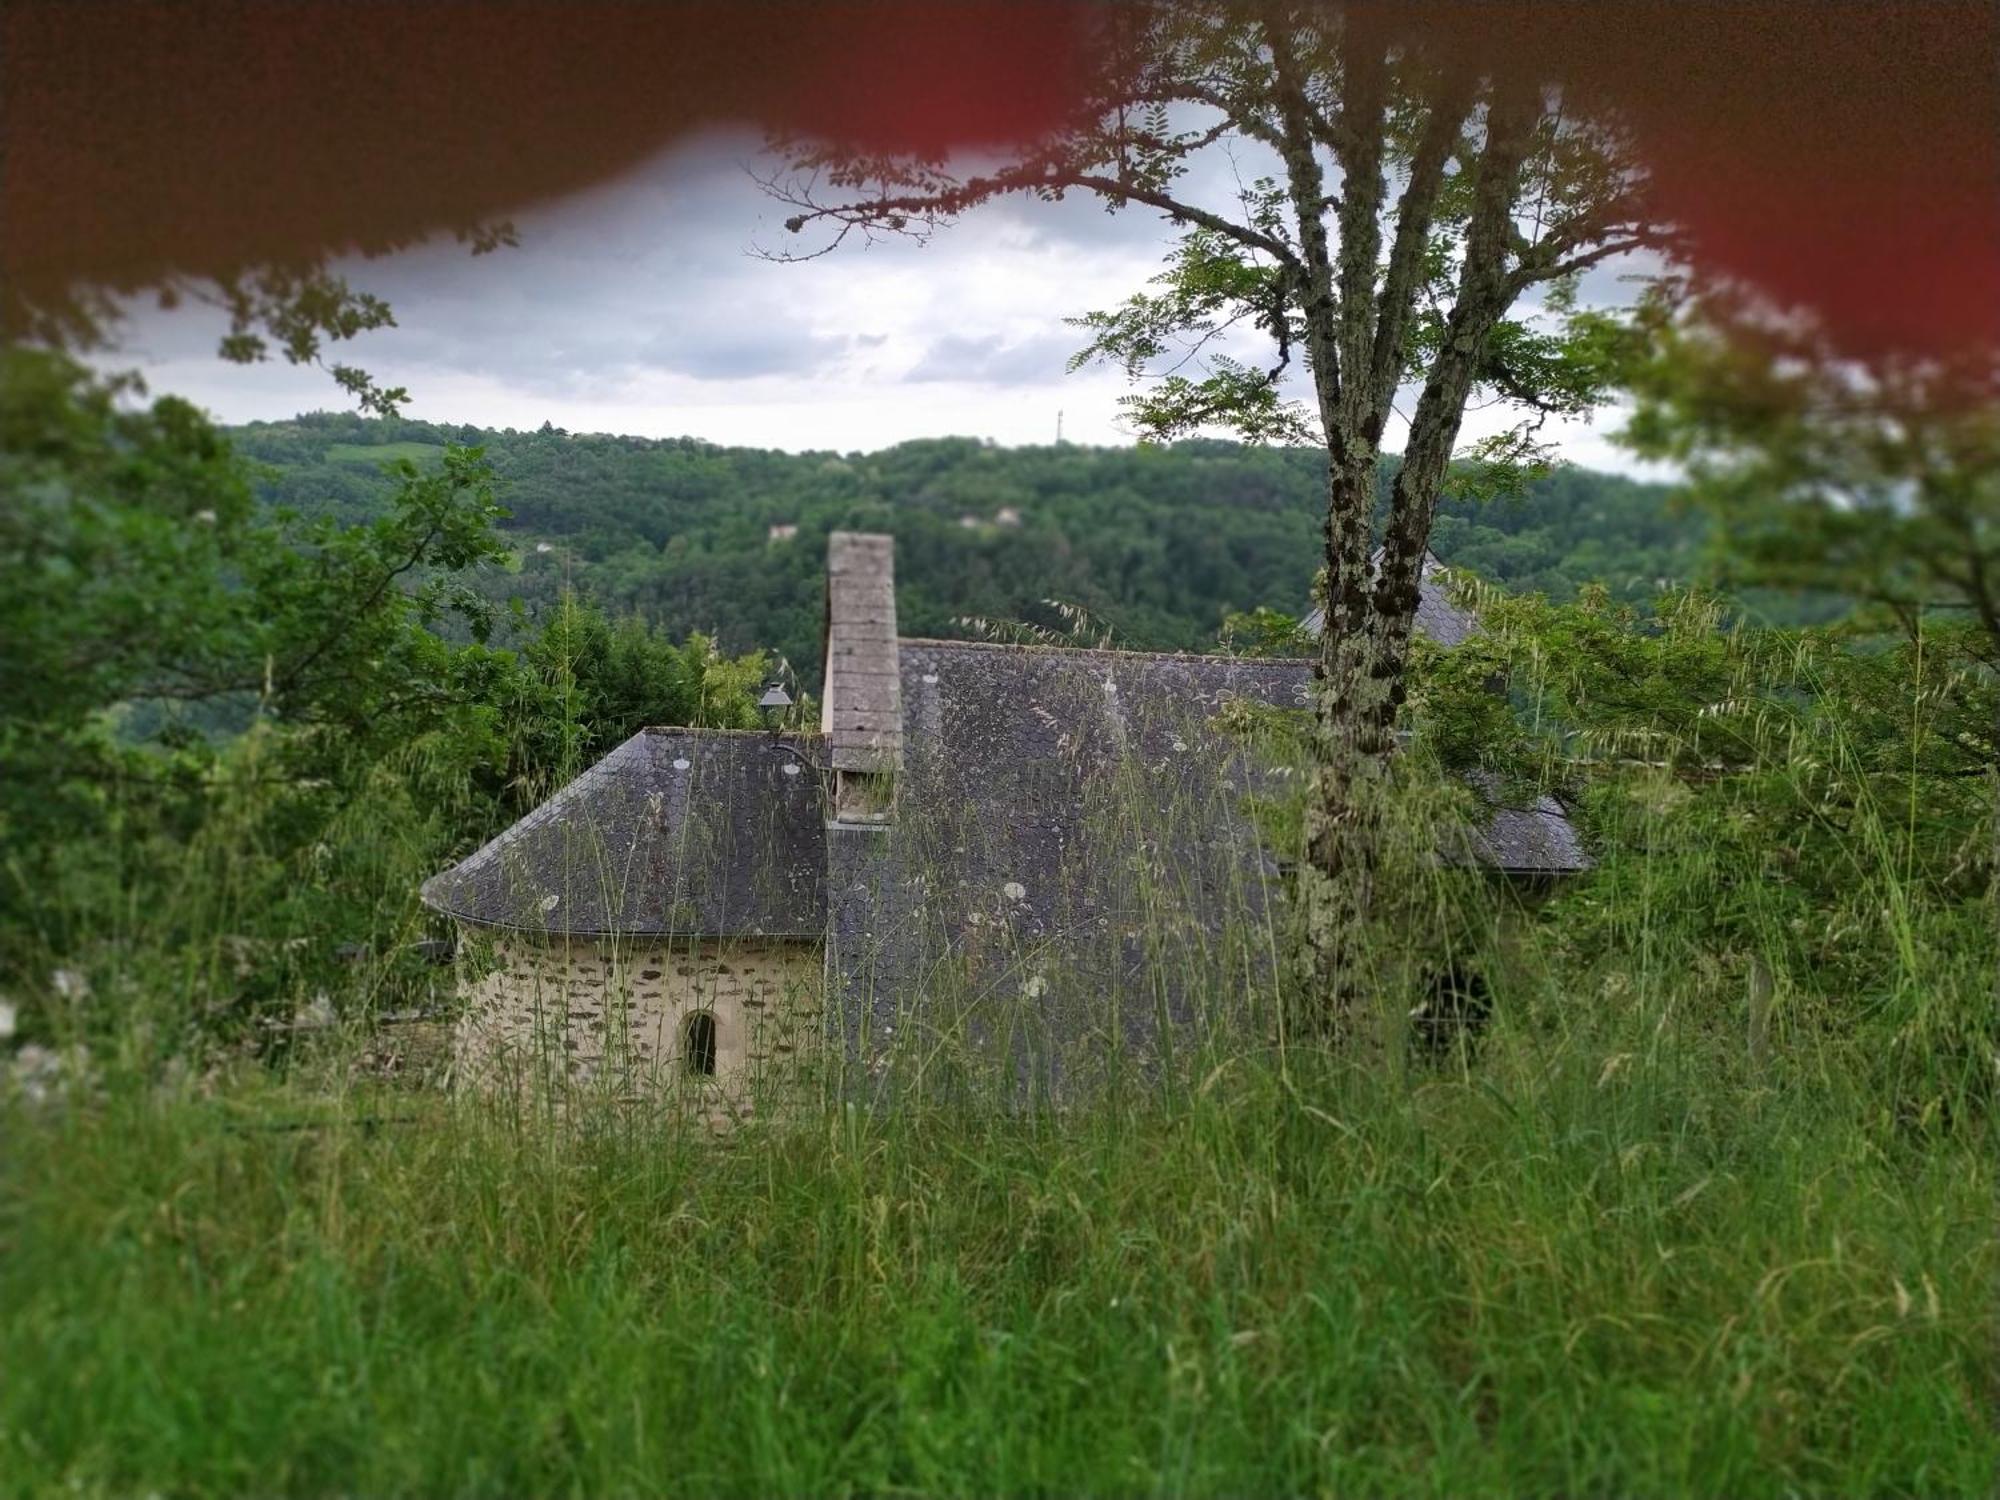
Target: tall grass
(1596,1270)
(1616,1249)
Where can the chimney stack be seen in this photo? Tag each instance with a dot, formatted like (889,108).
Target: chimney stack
(862,706)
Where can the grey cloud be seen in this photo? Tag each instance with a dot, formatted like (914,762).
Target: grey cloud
(567,324)
(1082,221)
(1617,282)
(742,352)
(994,360)
(654,275)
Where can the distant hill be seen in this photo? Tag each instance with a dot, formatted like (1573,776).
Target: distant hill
(1156,544)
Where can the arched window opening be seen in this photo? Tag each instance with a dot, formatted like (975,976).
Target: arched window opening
(698,1043)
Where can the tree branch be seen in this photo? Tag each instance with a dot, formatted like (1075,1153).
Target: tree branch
(1307,187)
(1241,113)
(1416,210)
(1361,150)
(1536,267)
(930,208)
(296,673)
(1484,292)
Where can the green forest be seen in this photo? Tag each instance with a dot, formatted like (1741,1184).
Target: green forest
(1156,544)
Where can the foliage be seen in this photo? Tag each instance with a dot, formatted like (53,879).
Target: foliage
(233,731)
(150,600)
(1875,477)
(300,310)
(1158,543)
(115,521)
(603,680)
(1264,632)
(1804,813)
(1819,801)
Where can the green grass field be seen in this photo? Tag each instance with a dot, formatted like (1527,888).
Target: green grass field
(1607,1268)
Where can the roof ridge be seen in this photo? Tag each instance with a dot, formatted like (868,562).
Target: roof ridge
(786,736)
(1046,648)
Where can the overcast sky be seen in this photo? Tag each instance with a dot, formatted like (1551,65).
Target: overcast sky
(642,308)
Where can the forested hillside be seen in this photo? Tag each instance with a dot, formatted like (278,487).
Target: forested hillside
(1156,544)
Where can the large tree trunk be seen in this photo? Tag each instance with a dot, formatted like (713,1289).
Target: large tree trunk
(1343,805)
(1344,799)
(1363,650)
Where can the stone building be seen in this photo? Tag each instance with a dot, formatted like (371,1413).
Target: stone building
(1043,855)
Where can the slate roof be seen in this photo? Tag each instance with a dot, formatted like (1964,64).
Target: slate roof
(677,831)
(1076,853)
(1437,617)
(1532,838)
(1050,790)
(1041,787)
(1012,736)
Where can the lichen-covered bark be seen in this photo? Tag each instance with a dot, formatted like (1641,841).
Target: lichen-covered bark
(1354,336)
(1343,803)
(1483,297)
(1343,813)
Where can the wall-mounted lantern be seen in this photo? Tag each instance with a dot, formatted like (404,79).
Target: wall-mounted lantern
(774,703)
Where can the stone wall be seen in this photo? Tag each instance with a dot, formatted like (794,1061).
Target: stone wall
(611,1012)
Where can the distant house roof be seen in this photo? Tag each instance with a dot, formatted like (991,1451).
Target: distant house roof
(704,832)
(1437,619)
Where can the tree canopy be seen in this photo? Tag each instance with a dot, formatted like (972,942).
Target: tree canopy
(1873,477)
(195,682)
(1156,543)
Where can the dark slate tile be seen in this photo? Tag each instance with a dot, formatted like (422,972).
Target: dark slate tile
(683,831)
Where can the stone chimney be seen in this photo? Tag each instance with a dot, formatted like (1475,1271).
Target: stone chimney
(862,704)
(869,899)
